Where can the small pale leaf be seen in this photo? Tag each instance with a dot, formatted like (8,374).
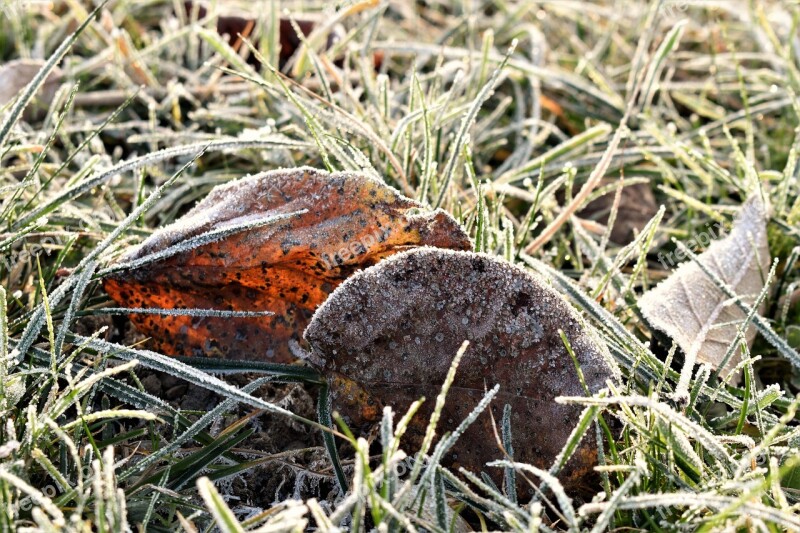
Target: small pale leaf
(697,314)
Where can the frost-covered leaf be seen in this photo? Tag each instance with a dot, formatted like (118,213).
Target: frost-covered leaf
(308,231)
(388,335)
(695,312)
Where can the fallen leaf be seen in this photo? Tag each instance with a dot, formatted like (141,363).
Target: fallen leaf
(15,75)
(637,206)
(288,267)
(693,311)
(388,335)
(232,26)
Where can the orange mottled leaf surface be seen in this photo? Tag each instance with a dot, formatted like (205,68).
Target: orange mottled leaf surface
(309,230)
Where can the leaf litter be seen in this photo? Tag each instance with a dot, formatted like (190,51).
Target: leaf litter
(389,334)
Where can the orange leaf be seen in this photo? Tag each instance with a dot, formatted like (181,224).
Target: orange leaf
(288,267)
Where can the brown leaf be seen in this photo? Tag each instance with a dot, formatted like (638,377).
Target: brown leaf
(637,206)
(15,75)
(232,26)
(288,267)
(388,335)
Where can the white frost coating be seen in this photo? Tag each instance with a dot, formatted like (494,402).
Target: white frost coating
(139,256)
(237,202)
(463,295)
(694,312)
